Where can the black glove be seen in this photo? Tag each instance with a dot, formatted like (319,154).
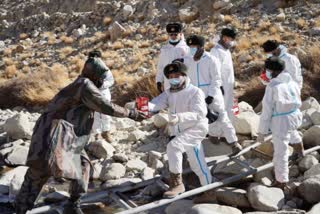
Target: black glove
(222,90)
(159,87)
(212,116)
(136,115)
(209,100)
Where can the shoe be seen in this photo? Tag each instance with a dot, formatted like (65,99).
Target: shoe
(206,197)
(236,148)
(298,151)
(176,186)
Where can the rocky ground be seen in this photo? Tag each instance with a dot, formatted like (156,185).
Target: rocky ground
(43,46)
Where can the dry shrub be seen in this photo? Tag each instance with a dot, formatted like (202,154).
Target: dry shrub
(254,92)
(273,30)
(264,25)
(23,36)
(77,64)
(227,19)
(65,52)
(7,51)
(144,44)
(66,39)
(243,44)
(10,71)
(107,20)
(317,22)
(128,43)
(8,61)
(161,38)
(117,45)
(34,89)
(301,23)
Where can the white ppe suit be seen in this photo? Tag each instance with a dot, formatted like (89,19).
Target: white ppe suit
(168,53)
(189,106)
(227,76)
(293,66)
(102,122)
(281,115)
(205,74)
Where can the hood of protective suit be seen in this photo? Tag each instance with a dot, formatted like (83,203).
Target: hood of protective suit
(283,77)
(283,49)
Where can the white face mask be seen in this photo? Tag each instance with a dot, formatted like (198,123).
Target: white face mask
(174,40)
(269,55)
(269,74)
(193,51)
(175,81)
(230,44)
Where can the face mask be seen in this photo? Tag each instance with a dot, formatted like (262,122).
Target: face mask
(268,74)
(175,81)
(193,51)
(269,55)
(230,44)
(174,40)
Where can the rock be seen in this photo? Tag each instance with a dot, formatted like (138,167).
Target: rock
(233,197)
(188,14)
(127,11)
(125,123)
(19,127)
(6,178)
(157,165)
(315,209)
(116,31)
(136,165)
(153,191)
(294,171)
(311,102)
(247,123)
(220,4)
(313,171)
(306,120)
(265,177)
(136,135)
(311,137)
(112,172)
(18,156)
(243,107)
(57,196)
(20,48)
(314,31)
(181,207)
(79,32)
(121,158)
(244,57)
(213,208)
(264,198)
(101,149)
(122,181)
(147,173)
(310,189)
(281,17)
(96,170)
(315,117)
(15,185)
(307,162)
(160,120)
(211,149)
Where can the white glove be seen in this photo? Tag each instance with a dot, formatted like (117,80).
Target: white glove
(173,119)
(261,138)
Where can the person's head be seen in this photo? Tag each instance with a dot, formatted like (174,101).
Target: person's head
(228,35)
(94,68)
(274,66)
(174,31)
(195,42)
(271,48)
(176,73)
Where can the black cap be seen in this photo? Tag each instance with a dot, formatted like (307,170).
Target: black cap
(270,45)
(174,28)
(275,64)
(195,40)
(230,32)
(175,67)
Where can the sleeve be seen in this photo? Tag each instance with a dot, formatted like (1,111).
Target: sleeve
(159,103)
(108,81)
(296,67)
(94,100)
(267,110)
(215,76)
(198,109)
(160,67)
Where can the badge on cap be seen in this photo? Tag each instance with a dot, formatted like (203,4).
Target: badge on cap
(171,68)
(190,42)
(172,29)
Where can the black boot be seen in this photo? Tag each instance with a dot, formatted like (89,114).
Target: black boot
(73,207)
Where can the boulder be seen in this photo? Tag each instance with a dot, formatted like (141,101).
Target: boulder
(19,127)
(311,137)
(96,170)
(307,162)
(315,117)
(314,31)
(243,107)
(233,197)
(247,123)
(116,31)
(122,181)
(136,165)
(281,17)
(313,171)
(101,149)
(213,208)
(15,184)
(315,209)
(127,11)
(18,156)
(7,177)
(188,14)
(306,119)
(181,207)
(211,149)
(220,4)
(160,120)
(112,172)
(264,198)
(310,189)
(121,158)
(311,102)
(147,173)
(124,123)
(57,196)
(136,135)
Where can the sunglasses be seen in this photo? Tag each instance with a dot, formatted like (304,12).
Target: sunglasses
(173,34)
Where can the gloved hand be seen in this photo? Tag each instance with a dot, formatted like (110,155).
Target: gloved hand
(209,100)
(222,90)
(212,116)
(136,115)
(173,119)
(261,138)
(159,87)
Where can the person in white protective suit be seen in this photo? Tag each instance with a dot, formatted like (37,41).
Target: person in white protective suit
(188,126)
(204,73)
(102,123)
(292,67)
(280,115)
(222,52)
(174,49)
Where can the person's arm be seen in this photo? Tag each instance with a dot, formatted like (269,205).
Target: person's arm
(159,103)
(296,67)
(267,110)
(108,81)
(215,77)
(160,67)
